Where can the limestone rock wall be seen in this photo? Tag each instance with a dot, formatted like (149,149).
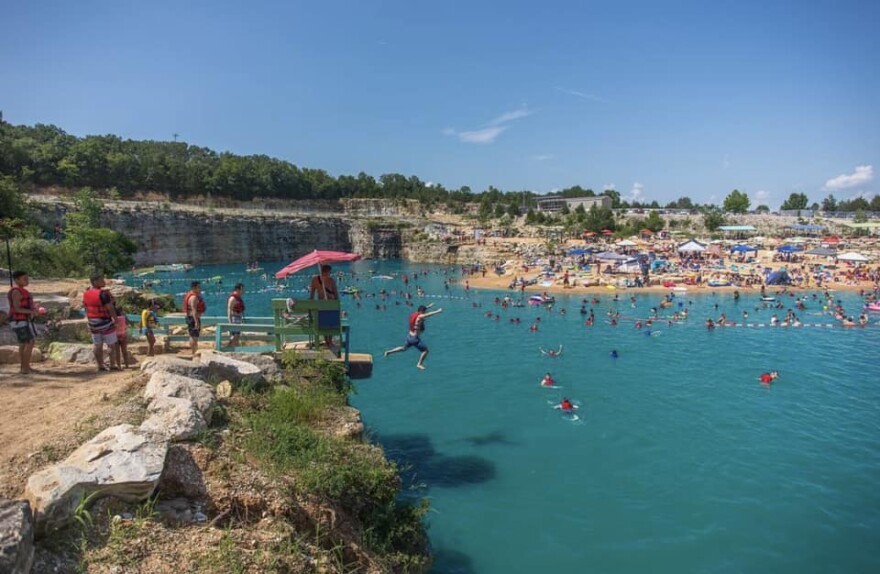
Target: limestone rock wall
(206,237)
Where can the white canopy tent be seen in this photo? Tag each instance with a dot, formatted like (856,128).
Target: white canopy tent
(691,246)
(853,257)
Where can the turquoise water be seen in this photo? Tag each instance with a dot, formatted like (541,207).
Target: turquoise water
(681,460)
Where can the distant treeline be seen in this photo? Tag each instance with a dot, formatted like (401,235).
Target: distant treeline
(45,155)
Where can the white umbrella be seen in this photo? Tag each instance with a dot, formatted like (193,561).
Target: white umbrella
(626,243)
(852,256)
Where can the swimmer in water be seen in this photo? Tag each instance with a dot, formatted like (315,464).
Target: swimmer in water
(614,354)
(547,381)
(551,353)
(566,405)
(767,378)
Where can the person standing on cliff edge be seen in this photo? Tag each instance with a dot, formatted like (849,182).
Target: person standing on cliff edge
(235,312)
(21,319)
(194,307)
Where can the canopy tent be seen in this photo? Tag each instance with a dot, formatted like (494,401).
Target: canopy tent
(736,228)
(316,258)
(612,256)
(691,246)
(743,248)
(579,251)
(822,252)
(626,243)
(646,231)
(805,227)
(853,257)
(607,232)
(789,249)
(780,277)
(589,234)
(831,240)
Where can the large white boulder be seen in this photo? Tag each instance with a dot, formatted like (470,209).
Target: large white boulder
(174,419)
(16,537)
(72,353)
(121,461)
(9,355)
(222,367)
(200,393)
(172,364)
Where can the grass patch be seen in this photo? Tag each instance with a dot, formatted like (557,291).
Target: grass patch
(282,431)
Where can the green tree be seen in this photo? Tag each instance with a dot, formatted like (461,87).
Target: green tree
(795,201)
(713,219)
(762,209)
(654,222)
(736,202)
(860,217)
(829,203)
(599,219)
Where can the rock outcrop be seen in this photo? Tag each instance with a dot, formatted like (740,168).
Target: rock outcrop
(16,537)
(175,365)
(180,407)
(223,367)
(187,235)
(121,461)
(9,355)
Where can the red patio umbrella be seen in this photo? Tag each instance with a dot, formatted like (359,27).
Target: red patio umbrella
(607,232)
(832,240)
(316,258)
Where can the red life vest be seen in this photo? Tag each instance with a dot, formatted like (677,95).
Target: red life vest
(200,304)
(93,305)
(26,302)
(238,306)
(413,319)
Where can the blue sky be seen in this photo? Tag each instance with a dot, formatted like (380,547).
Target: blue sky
(658,99)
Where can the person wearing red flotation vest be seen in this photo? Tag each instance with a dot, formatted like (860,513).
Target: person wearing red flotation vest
(21,317)
(413,337)
(194,307)
(235,312)
(101,314)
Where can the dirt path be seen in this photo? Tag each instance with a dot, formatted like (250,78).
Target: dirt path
(49,413)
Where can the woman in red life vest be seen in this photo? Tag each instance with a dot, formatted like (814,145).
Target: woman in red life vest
(413,337)
(548,381)
(101,314)
(235,312)
(566,406)
(21,317)
(194,307)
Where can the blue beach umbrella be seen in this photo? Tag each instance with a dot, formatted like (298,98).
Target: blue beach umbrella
(789,249)
(742,249)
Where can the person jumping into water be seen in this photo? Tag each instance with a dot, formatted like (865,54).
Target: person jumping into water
(413,337)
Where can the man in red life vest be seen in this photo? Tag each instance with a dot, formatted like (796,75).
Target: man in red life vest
(101,314)
(21,317)
(235,312)
(194,307)
(413,337)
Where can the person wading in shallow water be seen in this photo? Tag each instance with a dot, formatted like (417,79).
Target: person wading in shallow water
(413,337)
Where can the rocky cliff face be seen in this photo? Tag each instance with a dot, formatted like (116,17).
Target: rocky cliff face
(206,237)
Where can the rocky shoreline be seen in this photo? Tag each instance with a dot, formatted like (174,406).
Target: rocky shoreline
(175,468)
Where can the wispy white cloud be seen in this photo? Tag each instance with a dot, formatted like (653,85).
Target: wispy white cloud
(483,136)
(516,114)
(608,187)
(725,163)
(582,95)
(637,191)
(543,157)
(862,175)
(492,130)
